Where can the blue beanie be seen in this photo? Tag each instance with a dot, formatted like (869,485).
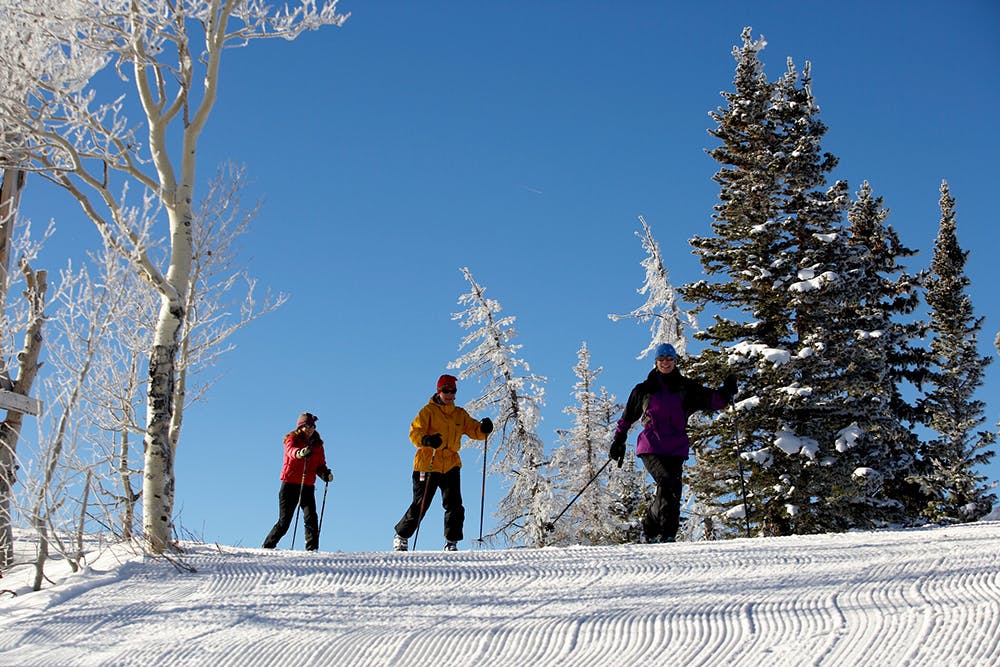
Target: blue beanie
(666,350)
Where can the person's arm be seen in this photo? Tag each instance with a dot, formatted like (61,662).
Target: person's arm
(319,450)
(632,413)
(633,410)
(705,399)
(420,430)
(475,429)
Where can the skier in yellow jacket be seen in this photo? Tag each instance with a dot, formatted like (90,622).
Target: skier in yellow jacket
(437,432)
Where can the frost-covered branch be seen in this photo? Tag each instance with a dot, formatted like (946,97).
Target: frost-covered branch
(515,396)
(661,307)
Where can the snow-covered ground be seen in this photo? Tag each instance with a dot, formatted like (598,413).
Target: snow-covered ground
(913,597)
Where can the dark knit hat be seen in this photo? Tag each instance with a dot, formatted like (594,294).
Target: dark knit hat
(307,418)
(447,381)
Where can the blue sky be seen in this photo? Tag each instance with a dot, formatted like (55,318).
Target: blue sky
(522,140)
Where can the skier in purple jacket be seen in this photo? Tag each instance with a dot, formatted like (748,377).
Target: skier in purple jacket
(664,402)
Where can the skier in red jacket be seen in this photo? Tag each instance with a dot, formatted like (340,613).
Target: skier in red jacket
(304,461)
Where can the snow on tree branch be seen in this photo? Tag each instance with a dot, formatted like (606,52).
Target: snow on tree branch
(661,306)
(516,396)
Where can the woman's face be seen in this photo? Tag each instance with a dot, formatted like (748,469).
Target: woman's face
(665,364)
(447,395)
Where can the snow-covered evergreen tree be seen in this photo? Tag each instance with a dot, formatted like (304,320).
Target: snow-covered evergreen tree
(884,359)
(598,515)
(782,328)
(951,461)
(749,249)
(629,485)
(661,308)
(515,396)
(745,232)
(814,288)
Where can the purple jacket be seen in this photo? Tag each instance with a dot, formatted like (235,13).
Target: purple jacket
(664,403)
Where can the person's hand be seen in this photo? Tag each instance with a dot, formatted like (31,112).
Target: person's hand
(617,451)
(433,440)
(303,452)
(325,474)
(729,387)
(486,426)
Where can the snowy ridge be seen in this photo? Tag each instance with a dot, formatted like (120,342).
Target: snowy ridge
(915,597)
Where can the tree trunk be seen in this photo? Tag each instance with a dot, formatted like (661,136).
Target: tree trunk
(10,429)
(158,478)
(128,494)
(10,189)
(10,195)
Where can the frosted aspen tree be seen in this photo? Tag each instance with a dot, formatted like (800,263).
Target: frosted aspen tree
(515,395)
(32,50)
(167,56)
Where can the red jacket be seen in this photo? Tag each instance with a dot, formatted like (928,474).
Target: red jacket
(291,469)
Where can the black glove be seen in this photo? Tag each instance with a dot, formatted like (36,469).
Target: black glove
(617,451)
(486,426)
(729,388)
(325,474)
(432,440)
(303,452)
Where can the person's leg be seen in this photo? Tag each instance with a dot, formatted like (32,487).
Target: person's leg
(671,508)
(422,482)
(288,496)
(663,513)
(311,518)
(451,500)
(652,520)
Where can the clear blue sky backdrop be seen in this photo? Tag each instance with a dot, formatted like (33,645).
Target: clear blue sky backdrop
(522,140)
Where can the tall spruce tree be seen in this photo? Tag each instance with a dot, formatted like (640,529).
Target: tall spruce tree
(884,362)
(787,270)
(951,461)
(820,344)
(745,254)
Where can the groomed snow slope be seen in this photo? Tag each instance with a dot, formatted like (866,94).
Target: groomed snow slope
(915,597)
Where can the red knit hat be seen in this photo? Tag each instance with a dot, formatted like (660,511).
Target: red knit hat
(447,381)
(307,418)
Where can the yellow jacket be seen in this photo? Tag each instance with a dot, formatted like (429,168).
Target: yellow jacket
(452,422)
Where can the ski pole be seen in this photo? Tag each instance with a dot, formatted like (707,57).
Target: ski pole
(551,525)
(482,497)
(423,501)
(302,486)
(739,463)
(319,529)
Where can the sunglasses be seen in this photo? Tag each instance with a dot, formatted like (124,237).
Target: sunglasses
(449,391)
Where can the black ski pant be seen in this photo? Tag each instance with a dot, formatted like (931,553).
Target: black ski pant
(663,515)
(424,486)
(288,500)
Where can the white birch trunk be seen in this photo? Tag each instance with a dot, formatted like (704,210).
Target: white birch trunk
(163,404)
(158,479)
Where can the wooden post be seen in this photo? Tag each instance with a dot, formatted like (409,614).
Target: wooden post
(26,404)
(10,197)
